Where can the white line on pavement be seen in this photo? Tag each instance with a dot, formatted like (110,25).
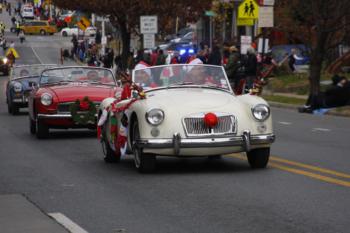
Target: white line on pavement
(37,56)
(284,123)
(321,129)
(67,223)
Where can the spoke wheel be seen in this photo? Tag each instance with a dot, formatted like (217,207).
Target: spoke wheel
(144,163)
(258,158)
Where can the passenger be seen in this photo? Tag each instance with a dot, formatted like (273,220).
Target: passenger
(143,75)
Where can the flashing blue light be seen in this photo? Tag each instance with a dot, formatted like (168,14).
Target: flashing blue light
(191,51)
(182,51)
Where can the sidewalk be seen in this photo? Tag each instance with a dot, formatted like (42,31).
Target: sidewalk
(19,215)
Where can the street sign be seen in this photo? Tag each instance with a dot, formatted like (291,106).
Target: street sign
(245,22)
(267,2)
(210,13)
(148,41)
(265,17)
(246,42)
(149,24)
(101,18)
(83,23)
(14,52)
(248,9)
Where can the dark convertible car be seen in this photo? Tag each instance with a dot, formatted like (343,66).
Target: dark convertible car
(20,84)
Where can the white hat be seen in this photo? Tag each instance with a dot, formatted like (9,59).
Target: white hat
(143,66)
(196,61)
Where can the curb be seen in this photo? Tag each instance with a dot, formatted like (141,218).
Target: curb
(295,107)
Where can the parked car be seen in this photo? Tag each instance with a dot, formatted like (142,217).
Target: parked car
(180,34)
(67,97)
(185,110)
(22,80)
(67,31)
(27,11)
(4,65)
(41,27)
(187,38)
(279,52)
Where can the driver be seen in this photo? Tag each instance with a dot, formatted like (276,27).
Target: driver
(92,75)
(23,73)
(198,74)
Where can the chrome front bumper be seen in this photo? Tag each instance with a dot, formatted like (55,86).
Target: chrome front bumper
(56,116)
(246,140)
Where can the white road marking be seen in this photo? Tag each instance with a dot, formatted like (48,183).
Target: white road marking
(67,223)
(284,123)
(37,56)
(321,129)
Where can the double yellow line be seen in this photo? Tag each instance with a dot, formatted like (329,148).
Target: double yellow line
(322,174)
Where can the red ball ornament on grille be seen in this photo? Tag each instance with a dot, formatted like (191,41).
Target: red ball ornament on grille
(210,120)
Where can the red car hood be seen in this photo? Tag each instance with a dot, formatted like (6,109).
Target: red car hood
(72,92)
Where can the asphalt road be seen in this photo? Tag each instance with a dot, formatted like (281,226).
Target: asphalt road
(306,187)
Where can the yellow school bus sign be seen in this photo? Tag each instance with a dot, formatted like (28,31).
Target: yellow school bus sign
(83,23)
(248,9)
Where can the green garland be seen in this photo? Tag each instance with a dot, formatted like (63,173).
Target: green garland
(83,117)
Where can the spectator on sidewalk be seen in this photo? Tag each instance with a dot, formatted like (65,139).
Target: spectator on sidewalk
(215,56)
(337,95)
(251,68)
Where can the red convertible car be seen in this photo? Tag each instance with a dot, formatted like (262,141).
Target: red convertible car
(68,97)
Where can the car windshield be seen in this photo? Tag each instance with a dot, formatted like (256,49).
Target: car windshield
(32,70)
(181,75)
(77,74)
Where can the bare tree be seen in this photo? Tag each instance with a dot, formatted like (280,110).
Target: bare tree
(319,24)
(125,14)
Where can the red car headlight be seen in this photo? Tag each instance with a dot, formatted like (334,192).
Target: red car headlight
(46,99)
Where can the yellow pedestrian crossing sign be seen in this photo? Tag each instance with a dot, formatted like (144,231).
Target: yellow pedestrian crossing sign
(14,52)
(248,9)
(83,23)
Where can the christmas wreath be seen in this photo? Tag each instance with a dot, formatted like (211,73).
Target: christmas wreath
(83,111)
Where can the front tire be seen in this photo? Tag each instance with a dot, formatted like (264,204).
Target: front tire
(32,126)
(258,158)
(144,163)
(64,34)
(42,130)
(13,109)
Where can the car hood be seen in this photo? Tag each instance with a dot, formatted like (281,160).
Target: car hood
(71,92)
(191,98)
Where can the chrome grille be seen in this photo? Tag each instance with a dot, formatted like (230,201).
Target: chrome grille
(64,107)
(194,125)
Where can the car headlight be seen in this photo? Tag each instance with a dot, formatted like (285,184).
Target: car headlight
(261,112)
(46,99)
(155,116)
(5,60)
(17,87)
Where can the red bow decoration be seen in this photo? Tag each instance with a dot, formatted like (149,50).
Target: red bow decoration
(84,105)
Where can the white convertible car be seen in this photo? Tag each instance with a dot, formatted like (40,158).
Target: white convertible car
(184,111)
